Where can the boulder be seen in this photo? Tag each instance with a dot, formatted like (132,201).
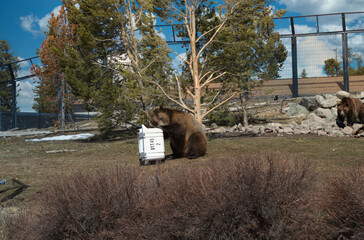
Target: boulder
(330,101)
(347,130)
(319,99)
(295,109)
(214,126)
(341,94)
(314,118)
(273,126)
(323,112)
(309,103)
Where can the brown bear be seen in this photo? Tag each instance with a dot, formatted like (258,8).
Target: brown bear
(351,109)
(187,137)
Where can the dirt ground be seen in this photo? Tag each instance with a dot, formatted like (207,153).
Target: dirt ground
(30,166)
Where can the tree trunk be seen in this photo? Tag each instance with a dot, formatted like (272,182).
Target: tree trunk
(194,67)
(243,107)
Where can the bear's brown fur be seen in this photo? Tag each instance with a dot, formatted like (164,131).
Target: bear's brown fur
(351,109)
(187,137)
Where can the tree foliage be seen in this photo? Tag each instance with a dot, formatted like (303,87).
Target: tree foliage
(332,67)
(52,93)
(6,57)
(229,44)
(118,54)
(120,65)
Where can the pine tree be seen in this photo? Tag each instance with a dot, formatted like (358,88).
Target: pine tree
(304,73)
(119,53)
(53,94)
(6,57)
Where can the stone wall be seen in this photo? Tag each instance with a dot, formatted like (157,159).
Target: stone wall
(311,115)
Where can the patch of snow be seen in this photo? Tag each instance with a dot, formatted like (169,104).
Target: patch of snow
(63,137)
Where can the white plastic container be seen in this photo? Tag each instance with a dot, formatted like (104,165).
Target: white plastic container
(151,144)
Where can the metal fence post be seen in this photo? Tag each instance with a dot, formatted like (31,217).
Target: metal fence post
(1,125)
(345,54)
(294,62)
(13,92)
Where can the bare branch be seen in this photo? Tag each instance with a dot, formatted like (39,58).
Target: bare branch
(190,93)
(212,29)
(183,59)
(183,105)
(218,105)
(213,99)
(139,17)
(212,38)
(217,31)
(210,79)
(180,92)
(151,62)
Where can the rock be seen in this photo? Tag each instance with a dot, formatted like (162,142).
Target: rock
(296,109)
(257,130)
(319,99)
(323,112)
(287,130)
(334,111)
(330,101)
(356,126)
(321,133)
(214,126)
(336,133)
(341,94)
(240,127)
(305,131)
(273,126)
(219,130)
(296,131)
(347,130)
(233,129)
(309,103)
(314,118)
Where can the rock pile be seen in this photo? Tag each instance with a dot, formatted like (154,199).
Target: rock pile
(317,115)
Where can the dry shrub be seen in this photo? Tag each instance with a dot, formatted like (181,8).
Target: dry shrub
(85,206)
(342,204)
(249,197)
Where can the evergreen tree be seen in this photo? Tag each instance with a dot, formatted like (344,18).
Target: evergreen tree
(6,57)
(118,54)
(53,94)
(332,67)
(304,73)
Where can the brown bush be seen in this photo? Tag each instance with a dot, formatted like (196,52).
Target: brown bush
(250,197)
(342,204)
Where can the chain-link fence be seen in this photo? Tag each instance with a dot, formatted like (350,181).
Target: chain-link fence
(26,120)
(325,54)
(17,99)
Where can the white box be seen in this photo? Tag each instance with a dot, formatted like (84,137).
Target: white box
(151,144)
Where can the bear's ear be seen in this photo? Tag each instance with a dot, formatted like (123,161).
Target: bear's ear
(160,107)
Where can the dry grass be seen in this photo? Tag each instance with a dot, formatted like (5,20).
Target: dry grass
(29,163)
(250,197)
(48,187)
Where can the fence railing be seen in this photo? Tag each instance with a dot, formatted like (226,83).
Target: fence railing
(320,38)
(26,120)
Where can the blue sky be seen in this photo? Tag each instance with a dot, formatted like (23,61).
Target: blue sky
(22,23)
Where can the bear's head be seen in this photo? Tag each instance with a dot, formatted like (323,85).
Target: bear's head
(343,108)
(160,117)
